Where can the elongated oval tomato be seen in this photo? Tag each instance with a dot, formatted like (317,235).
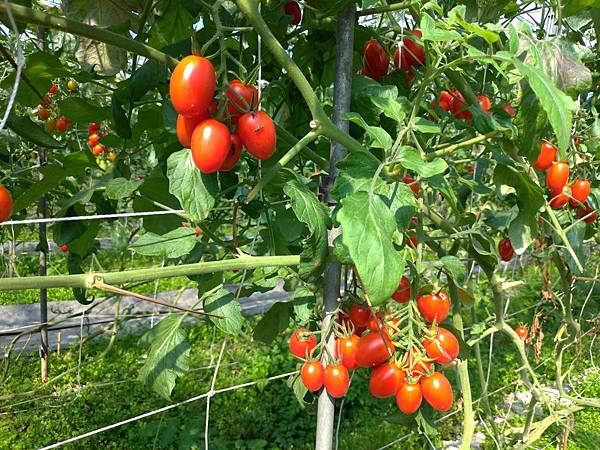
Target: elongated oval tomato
(312,375)
(345,351)
(587,213)
(459,107)
(557,176)
(336,380)
(373,349)
(258,135)
(546,156)
(409,398)
(510,110)
(558,199)
(410,54)
(93,127)
(185,128)
(437,391)
(386,380)
(43,113)
(302,345)
(192,85)
(359,315)
(404,291)
(235,105)
(414,186)
(234,154)
(6,203)
(443,348)
(505,249)
(484,103)
(434,306)
(62,124)
(211,142)
(375,59)
(580,190)
(293,9)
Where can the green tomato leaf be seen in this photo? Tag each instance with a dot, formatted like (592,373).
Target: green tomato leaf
(119,188)
(425,126)
(411,159)
(31,132)
(275,321)
(379,137)
(303,301)
(391,107)
(80,110)
(174,244)
(431,33)
(223,303)
(454,268)
(356,172)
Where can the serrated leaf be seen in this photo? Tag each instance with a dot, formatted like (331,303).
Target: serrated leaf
(174,25)
(356,172)
(174,244)
(80,110)
(431,33)
(411,159)
(168,356)
(455,268)
(303,301)
(368,226)
(391,107)
(223,303)
(119,188)
(379,137)
(275,321)
(195,191)
(53,175)
(425,126)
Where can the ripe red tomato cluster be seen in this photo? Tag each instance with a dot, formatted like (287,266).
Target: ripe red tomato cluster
(215,145)
(94,136)
(368,340)
(562,192)
(44,112)
(453,102)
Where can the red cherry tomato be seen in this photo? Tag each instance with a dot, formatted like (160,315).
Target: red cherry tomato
(414,186)
(62,124)
(93,140)
(302,345)
(445,99)
(45,101)
(522,332)
(359,315)
(6,204)
(258,135)
(437,391)
(43,113)
(293,9)
(412,241)
(345,351)
(382,321)
(312,375)
(558,199)
(484,103)
(409,398)
(211,143)
(505,249)
(434,306)
(458,106)
(410,54)
(580,190)
(64,248)
(557,176)
(98,150)
(404,291)
(373,349)
(185,128)
(546,156)
(93,128)
(416,365)
(236,106)
(510,110)
(192,85)
(443,348)
(234,154)
(53,89)
(336,380)
(587,212)
(375,59)
(386,380)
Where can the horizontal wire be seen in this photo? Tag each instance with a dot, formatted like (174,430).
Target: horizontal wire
(95,217)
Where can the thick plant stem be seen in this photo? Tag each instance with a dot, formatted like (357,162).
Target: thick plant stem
(143,275)
(331,293)
(28,15)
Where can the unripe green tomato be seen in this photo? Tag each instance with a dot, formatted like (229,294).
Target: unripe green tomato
(101,162)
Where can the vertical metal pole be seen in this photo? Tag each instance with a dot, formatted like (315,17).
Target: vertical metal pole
(331,294)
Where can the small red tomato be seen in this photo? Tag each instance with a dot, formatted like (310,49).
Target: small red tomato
(257,134)
(587,212)
(359,315)
(45,101)
(409,398)
(404,291)
(62,124)
(185,128)
(93,140)
(192,85)
(443,348)
(43,113)
(458,106)
(546,156)
(93,128)
(580,190)
(416,364)
(373,349)
(414,186)
(64,248)
(522,332)
(211,143)
(312,375)
(557,176)
(235,105)
(505,249)
(53,89)
(293,9)
(445,99)
(510,110)
(301,344)
(484,103)
(434,307)
(386,380)
(437,391)
(576,141)
(196,231)
(412,241)
(345,351)
(382,321)
(558,199)
(234,154)
(375,59)
(98,150)
(336,380)
(6,203)
(410,54)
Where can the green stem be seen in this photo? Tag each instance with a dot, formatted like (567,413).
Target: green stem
(139,275)
(28,15)
(384,9)
(563,236)
(291,140)
(451,148)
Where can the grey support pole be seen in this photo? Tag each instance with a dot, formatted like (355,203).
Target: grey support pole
(331,294)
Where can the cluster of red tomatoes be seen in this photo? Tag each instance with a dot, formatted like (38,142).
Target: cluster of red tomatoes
(453,102)
(94,136)
(46,110)
(557,180)
(368,339)
(217,132)
(409,54)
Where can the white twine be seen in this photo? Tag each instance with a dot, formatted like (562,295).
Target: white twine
(20,63)
(95,217)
